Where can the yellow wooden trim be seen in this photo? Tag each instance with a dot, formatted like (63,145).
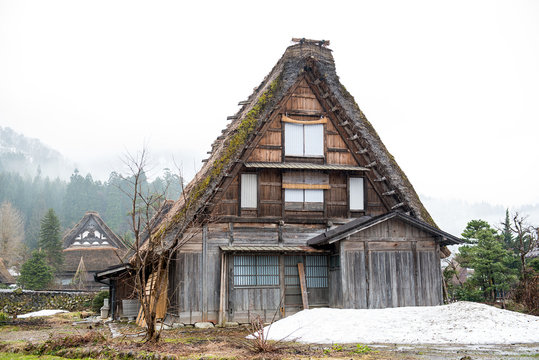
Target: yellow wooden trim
(303,122)
(306,186)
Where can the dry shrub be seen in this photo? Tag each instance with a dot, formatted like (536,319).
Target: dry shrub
(257,342)
(527,292)
(71,341)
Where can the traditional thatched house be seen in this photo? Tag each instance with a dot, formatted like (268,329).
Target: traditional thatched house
(5,276)
(89,247)
(300,204)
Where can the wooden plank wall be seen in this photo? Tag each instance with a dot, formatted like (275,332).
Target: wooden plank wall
(389,265)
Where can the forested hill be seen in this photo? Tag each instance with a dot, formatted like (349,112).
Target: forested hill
(33,196)
(25,156)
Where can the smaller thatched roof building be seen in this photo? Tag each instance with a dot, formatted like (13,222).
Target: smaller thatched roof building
(5,276)
(89,247)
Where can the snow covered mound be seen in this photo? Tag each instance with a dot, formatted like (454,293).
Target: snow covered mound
(41,313)
(458,323)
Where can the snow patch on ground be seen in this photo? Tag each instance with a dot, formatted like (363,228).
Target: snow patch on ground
(41,313)
(458,323)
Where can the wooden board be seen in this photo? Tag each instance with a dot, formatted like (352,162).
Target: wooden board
(150,291)
(303,286)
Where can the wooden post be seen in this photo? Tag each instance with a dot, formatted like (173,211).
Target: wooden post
(282,287)
(303,285)
(367,255)
(440,276)
(416,273)
(205,273)
(222,294)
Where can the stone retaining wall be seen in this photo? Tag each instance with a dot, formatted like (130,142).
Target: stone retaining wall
(19,302)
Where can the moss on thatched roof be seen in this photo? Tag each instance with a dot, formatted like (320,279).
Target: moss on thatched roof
(295,62)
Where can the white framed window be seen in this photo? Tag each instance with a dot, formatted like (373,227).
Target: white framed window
(303,139)
(357,194)
(249,191)
(304,195)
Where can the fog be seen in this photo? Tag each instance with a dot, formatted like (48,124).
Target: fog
(450,86)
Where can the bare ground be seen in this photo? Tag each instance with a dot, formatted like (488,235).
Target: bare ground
(60,333)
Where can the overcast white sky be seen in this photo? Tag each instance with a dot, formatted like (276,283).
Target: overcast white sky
(452,87)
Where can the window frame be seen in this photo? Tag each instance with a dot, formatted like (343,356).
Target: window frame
(256,267)
(350,194)
(242,207)
(304,155)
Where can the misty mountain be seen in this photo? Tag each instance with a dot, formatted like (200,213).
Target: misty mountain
(452,215)
(25,156)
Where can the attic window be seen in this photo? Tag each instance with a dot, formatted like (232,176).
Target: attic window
(303,138)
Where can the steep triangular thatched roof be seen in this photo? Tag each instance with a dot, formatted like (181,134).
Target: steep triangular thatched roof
(92,220)
(5,276)
(314,63)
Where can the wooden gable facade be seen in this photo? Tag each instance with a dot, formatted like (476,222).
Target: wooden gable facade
(299,205)
(267,236)
(90,246)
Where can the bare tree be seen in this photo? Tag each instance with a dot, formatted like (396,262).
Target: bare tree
(526,237)
(157,241)
(11,234)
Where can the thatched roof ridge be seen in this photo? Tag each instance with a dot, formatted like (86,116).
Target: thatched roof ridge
(296,60)
(386,163)
(113,239)
(95,258)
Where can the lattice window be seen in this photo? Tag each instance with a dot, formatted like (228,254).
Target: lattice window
(316,270)
(256,270)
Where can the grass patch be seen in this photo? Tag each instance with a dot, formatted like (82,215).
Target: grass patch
(9,356)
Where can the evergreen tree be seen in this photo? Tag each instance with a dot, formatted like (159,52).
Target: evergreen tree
(506,232)
(474,228)
(35,273)
(489,260)
(50,241)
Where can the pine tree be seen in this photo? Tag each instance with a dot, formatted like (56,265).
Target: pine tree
(506,232)
(489,259)
(35,273)
(50,241)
